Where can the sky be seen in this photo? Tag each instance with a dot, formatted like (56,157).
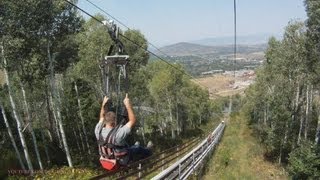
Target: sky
(165,22)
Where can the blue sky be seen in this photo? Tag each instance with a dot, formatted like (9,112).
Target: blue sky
(165,22)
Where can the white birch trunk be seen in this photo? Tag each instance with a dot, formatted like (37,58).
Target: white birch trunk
(56,122)
(178,121)
(64,139)
(43,138)
(81,118)
(141,115)
(300,129)
(308,108)
(81,138)
(157,114)
(34,139)
(280,154)
(76,138)
(173,136)
(18,121)
(44,129)
(11,137)
(75,132)
(61,128)
(317,138)
(294,115)
(52,95)
(295,109)
(57,104)
(45,148)
(161,130)
(284,142)
(49,111)
(143,135)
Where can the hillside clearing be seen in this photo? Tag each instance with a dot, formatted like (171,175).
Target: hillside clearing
(221,85)
(240,156)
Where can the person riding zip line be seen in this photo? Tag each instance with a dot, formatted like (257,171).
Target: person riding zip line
(107,128)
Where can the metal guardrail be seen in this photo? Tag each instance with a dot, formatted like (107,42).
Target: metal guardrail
(183,168)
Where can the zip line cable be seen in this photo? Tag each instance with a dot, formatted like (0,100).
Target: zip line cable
(133,42)
(108,14)
(114,18)
(155,47)
(235,40)
(84,11)
(140,46)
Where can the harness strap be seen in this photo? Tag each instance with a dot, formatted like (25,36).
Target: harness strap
(107,146)
(102,141)
(110,140)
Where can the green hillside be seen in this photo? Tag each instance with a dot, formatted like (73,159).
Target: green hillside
(241,156)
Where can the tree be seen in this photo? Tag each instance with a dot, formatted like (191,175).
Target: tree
(94,43)
(14,110)
(11,136)
(40,30)
(304,162)
(313,45)
(282,98)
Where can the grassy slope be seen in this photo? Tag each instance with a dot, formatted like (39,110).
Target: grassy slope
(63,173)
(240,156)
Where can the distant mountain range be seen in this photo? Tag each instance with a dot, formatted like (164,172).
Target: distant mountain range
(185,49)
(219,46)
(245,40)
(188,49)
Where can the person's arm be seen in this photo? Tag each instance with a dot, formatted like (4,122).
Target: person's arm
(102,111)
(131,116)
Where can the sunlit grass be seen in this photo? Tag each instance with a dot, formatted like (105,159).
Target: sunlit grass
(240,156)
(58,173)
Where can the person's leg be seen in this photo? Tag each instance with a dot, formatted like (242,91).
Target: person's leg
(137,152)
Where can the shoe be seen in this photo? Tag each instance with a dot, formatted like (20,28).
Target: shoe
(150,145)
(137,143)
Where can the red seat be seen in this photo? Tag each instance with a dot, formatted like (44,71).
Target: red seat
(109,164)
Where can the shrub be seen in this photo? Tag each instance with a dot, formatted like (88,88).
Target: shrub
(304,162)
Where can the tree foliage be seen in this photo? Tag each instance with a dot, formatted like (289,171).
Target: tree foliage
(283,103)
(54,55)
